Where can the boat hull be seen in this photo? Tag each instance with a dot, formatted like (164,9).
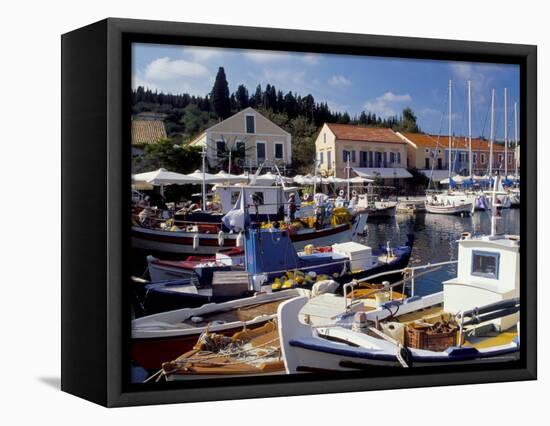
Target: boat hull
(449,209)
(180,242)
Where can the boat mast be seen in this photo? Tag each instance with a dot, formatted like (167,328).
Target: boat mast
(450,127)
(470,126)
(505,133)
(516,139)
(203,154)
(491,139)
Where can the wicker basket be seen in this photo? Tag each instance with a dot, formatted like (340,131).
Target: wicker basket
(426,337)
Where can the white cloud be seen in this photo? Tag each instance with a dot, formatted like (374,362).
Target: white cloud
(311,58)
(163,69)
(387,104)
(339,81)
(265,56)
(201,54)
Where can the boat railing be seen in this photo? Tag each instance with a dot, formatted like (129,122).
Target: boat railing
(409,274)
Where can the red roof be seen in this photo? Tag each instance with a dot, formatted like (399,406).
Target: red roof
(352,132)
(442,141)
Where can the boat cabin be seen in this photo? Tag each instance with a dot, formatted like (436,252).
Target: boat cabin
(488,272)
(271,199)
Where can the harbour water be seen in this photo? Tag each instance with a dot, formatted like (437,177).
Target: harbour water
(436,239)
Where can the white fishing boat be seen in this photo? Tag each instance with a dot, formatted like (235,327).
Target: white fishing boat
(475,319)
(448,208)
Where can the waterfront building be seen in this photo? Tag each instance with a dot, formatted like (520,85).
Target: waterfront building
(372,152)
(426,152)
(254,139)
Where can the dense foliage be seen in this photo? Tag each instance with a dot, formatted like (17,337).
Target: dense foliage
(185,116)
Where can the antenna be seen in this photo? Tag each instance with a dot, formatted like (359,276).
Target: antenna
(470,126)
(492,138)
(450,126)
(505,133)
(516,156)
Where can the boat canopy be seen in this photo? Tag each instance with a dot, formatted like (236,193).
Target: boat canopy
(164,177)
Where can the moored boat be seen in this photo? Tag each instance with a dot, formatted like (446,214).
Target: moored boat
(449,209)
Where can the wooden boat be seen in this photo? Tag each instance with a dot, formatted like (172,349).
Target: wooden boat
(163,337)
(245,353)
(473,320)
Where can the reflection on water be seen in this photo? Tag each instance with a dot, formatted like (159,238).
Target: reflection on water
(436,239)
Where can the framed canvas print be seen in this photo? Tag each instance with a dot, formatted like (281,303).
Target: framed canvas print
(253,212)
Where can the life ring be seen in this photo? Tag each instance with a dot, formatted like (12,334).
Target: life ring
(341,193)
(354,192)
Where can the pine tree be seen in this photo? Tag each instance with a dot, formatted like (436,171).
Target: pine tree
(220,95)
(241,96)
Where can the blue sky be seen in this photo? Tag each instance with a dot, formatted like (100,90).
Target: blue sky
(347,83)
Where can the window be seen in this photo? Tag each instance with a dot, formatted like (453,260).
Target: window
(427,163)
(260,152)
(240,147)
(329,159)
(345,155)
(500,158)
(392,157)
(509,159)
(220,149)
(474,158)
(353,156)
(324,138)
(250,124)
(427,150)
(398,157)
(371,158)
(385,159)
(321,158)
(278,151)
(485,264)
(482,158)
(439,163)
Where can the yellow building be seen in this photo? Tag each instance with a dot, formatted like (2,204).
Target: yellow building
(371,151)
(262,140)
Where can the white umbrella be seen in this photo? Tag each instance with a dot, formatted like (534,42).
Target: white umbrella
(163,177)
(269,179)
(359,179)
(222,176)
(197,177)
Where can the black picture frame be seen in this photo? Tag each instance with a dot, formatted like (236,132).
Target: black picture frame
(95,208)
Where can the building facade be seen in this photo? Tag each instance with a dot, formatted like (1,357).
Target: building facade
(371,151)
(429,152)
(260,141)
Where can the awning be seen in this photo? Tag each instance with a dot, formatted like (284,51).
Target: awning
(382,172)
(436,175)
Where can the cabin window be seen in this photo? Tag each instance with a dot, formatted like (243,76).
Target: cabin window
(485,264)
(220,149)
(250,124)
(278,151)
(234,197)
(257,198)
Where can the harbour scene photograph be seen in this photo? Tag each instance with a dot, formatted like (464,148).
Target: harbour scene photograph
(308,213)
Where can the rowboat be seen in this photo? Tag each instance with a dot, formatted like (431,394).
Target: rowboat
(248,352)
(164,336)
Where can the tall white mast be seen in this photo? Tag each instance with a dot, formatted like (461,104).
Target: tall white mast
(516,156)
(492,138)
(505,133)
(470,126)
(450,126)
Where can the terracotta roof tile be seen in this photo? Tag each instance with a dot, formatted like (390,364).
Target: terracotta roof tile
(364,134)
(145,132)
(442,141)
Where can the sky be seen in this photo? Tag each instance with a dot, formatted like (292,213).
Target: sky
(383,86)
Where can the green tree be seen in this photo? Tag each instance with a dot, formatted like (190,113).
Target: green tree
(220,95)
(408,122)
(174,157)
(241,96)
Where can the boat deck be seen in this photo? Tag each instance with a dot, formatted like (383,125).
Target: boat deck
(245,313)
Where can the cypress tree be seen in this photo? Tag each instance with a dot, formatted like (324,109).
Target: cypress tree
(220,95)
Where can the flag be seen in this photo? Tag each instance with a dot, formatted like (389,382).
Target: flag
(237,218)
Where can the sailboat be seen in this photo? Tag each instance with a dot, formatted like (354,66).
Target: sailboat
(451,202)
(474,319)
